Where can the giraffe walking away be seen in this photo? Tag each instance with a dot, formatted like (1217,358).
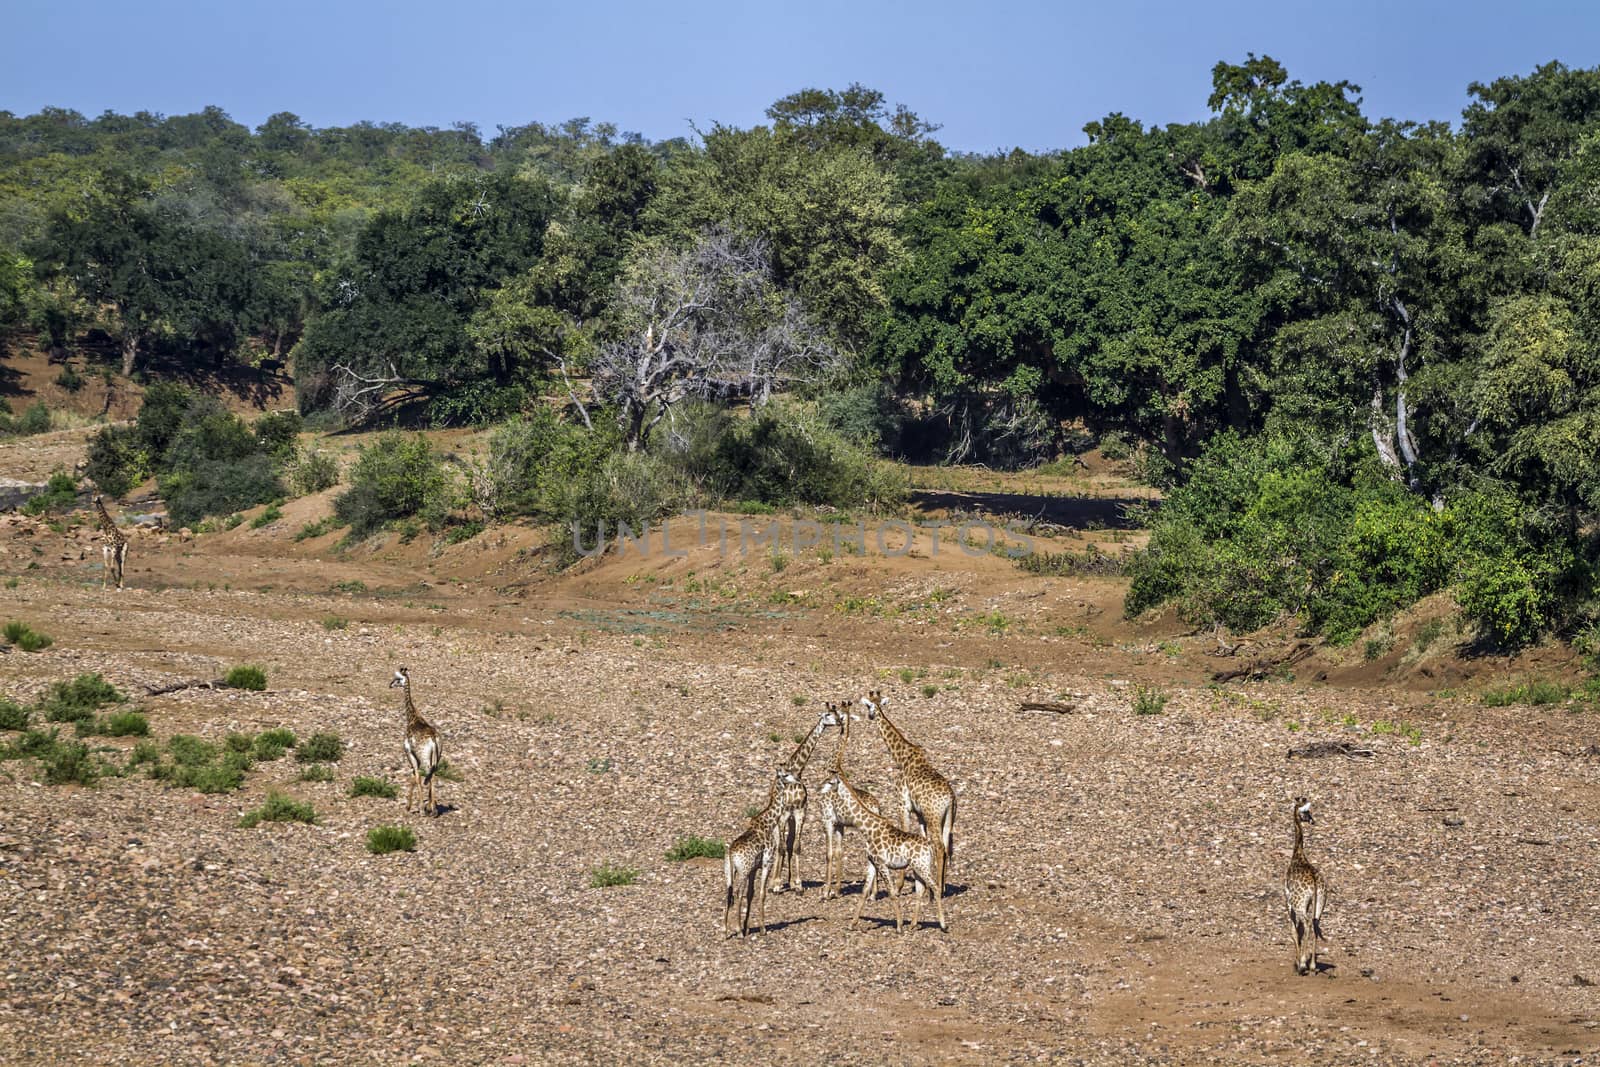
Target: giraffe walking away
(1305,892)
(113,545)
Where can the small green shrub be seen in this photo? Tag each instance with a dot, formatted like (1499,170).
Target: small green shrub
(692,847)
(313,471)
(13,716)
(188,750)
(335,622)
(26,637)
(246,676)
(79,699)
(124,724)
(459,532)
(276,432)
(224,777)
(1149,701)
(447,773)
(70,380)
(320,748)
(1536,692)
(36,419)
(60,493)
(267,517)
(272,744)
(397,477)
(385,839)
(317,772)
(279,808)
(119,458)
(70,762)
(607,875)
(144,752)
(363,786)
(317,528)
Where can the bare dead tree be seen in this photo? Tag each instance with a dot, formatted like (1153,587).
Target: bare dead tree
(705,322)
(357,397)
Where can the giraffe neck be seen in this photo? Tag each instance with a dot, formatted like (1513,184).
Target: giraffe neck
(855,810)
(1299,838)
(802,753)
(107,527)
(844,740)
(413,716)
(903,752)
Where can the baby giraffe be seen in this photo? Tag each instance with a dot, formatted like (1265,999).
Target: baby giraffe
(1305,892)
(748,861)
(421,745)
(890,848)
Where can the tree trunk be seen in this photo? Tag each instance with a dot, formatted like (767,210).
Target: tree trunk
(130,353)
(1381,434)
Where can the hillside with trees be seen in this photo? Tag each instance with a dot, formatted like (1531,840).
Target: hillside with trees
(1359,355)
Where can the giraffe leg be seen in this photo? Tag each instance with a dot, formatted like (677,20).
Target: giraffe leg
(869,886)
(727,903)
(122,561)
(433,805)
(411,789)
(766,880)
(899,883)
(797,881)
(105,568)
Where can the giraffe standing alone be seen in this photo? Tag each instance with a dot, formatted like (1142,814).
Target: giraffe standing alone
(1305,892)
(794,802)
(421,746)
(923,790)
(113,545)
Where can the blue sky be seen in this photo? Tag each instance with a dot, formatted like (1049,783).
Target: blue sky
(996,75)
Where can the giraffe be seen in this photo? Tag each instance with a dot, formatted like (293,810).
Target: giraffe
(834,819)
(748,860)
(421,746)
(890,848)
(1305,892)
(113,545)
(924,792)
(794,802)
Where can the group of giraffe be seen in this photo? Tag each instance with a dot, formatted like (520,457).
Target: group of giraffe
(773,838)
(920,847)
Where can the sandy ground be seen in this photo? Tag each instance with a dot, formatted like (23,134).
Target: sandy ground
(1116,891)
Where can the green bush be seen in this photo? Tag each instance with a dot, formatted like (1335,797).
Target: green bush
(36,419)
(386,839)
(279,808)
(629,489)
(78,699)
(868,414)
(26,637)
(395,478)
(118,460)
(783,455)
(161,413)
(317,772)
(70,762)
(272,744)
(13,716)
(219,487)
(313,471)
(60,493)
(692,847)
(363,786)
(320,748)
(70,380)
(245,676)
(1536,692)
(124,724)
(533,456)
(271,515)
(607,875)
(276,432)
(188,750)
(1149,701)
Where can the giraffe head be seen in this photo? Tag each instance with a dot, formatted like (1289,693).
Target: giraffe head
(401,679)
(831,786)
(833,715)
(873,702)
(1302,811)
